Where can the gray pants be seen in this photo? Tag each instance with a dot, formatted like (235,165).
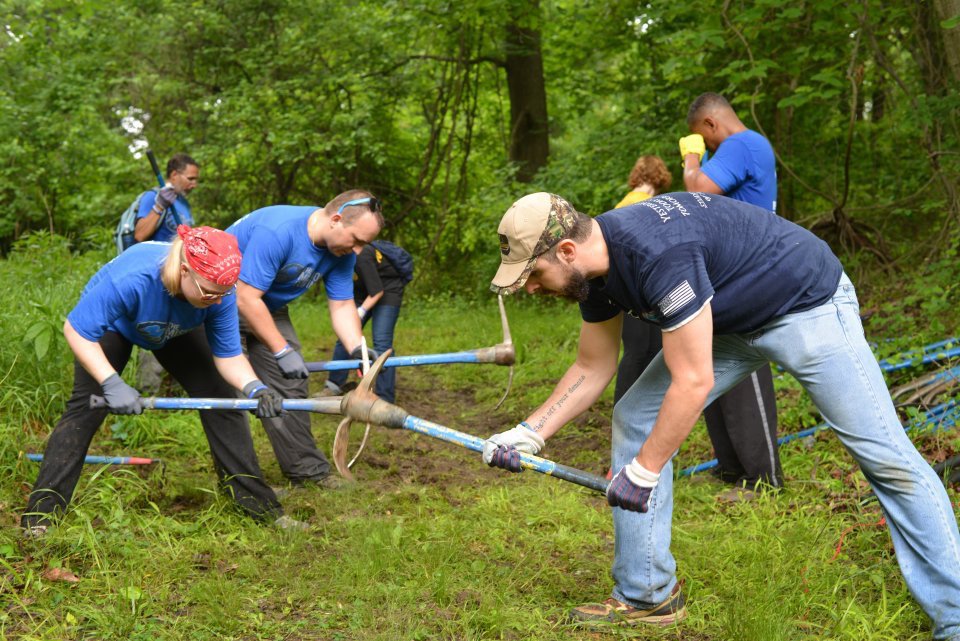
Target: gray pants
(290,435)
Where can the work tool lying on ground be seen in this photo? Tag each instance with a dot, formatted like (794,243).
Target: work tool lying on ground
(363,405)
(500,354)
(92,459)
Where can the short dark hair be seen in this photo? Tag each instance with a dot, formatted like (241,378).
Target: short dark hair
(179,162)
(353,212)
(703,103)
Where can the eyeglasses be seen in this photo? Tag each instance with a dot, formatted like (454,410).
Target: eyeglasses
(374,204)
(208,296)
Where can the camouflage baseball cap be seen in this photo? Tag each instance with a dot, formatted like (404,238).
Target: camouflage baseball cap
(531,226)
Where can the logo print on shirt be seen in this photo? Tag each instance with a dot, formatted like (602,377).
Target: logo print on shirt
(676,299)
(159,332)
(297,275)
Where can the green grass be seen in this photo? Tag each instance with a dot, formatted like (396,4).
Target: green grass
(429,544)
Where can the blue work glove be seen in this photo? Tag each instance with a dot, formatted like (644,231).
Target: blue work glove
(270,403)
(503,449)
(120,397)
(631,488)
(165,197)
(291,363)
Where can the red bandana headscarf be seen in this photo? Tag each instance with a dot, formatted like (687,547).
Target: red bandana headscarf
(212,253)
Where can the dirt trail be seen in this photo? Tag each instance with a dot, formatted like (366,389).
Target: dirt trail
(400,455)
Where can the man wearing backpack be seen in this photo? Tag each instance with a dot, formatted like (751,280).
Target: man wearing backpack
(162,210)
(382,272)
(286,250)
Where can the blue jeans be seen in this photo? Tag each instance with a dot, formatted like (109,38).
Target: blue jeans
(825,350)
(384,321)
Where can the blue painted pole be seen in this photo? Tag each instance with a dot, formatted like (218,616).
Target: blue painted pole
(941,417)
(106,460)
(502,354)
(527,461)
(318,405)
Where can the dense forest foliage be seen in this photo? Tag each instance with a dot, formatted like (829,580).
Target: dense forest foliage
(451,110)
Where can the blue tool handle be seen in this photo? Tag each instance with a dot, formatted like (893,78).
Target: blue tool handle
(396,361)
(156,168)
(318,405)
(528,461)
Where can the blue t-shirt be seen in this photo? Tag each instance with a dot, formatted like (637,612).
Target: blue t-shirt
(280,260)
(167,230)
(127,297)
(674,253)
(745,168)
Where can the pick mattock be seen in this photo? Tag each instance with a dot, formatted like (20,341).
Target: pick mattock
(363,405)
(500,354)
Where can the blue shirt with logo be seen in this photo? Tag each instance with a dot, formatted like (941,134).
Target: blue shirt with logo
(280,260)
(674,253)
(167,230)
(127,297)
(744,167)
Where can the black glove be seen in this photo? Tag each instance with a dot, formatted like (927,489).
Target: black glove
(165,197)
(291,363)
(120,397)
(270,404)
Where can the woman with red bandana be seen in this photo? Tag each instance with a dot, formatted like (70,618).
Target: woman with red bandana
(176,300)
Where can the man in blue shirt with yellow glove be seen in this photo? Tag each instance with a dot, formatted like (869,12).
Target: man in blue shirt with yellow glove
(742,423)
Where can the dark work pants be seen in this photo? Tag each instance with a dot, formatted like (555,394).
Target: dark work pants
(384,318)
(290,435)
(743,428)
(641,343)
(190,362)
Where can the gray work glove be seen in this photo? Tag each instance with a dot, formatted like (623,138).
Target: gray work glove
(503,449)
(357,353)
(269,405)
(291,363)
(120,397)
(165,197)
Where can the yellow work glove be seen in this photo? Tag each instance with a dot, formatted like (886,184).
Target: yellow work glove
(692,144)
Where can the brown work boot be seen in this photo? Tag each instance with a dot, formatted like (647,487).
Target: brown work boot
(672,610)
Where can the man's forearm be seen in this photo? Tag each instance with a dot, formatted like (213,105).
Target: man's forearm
(346,323)
(146,227)
(678,414)
(574,394)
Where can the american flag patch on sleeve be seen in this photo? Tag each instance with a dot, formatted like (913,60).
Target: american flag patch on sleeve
(677,298)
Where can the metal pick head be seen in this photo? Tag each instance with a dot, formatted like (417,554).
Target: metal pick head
(352,407)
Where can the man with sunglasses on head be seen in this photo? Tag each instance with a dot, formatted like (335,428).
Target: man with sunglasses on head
(286,250)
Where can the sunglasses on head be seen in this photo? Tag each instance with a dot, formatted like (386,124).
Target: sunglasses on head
(208,296)
(373,202)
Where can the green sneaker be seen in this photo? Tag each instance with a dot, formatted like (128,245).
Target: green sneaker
(672,610)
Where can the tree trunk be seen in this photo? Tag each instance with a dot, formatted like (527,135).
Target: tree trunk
(529,142)
(947,9)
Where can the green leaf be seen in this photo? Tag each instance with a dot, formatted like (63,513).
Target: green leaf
(950,23)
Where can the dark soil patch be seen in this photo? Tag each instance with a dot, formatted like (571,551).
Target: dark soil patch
(394,456)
